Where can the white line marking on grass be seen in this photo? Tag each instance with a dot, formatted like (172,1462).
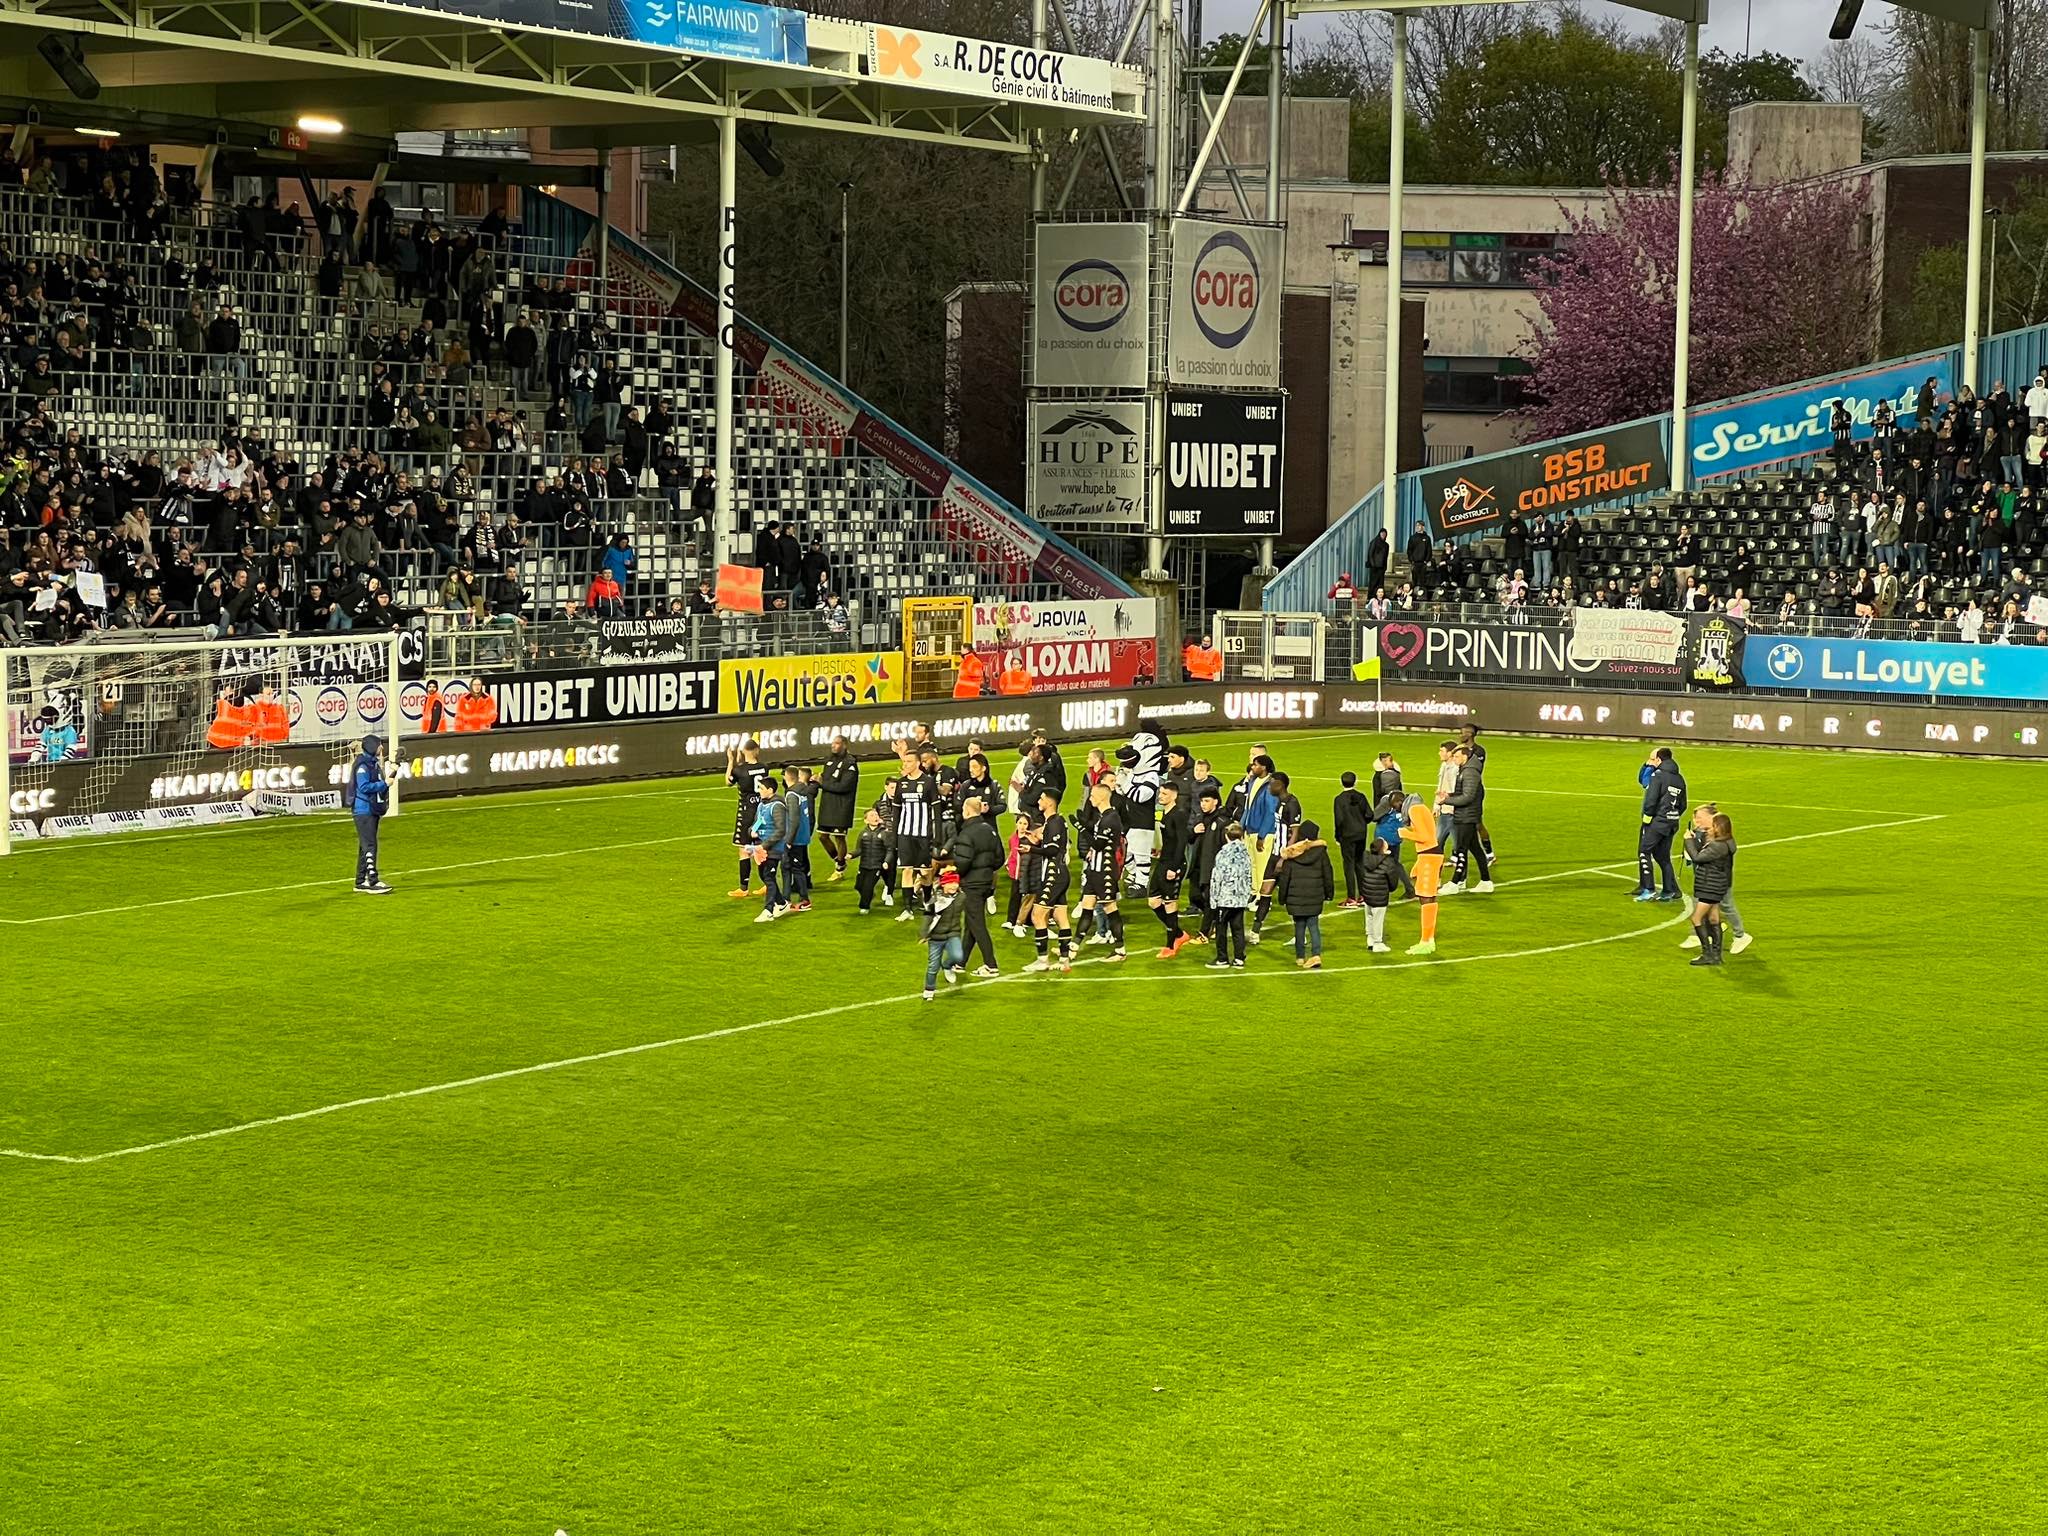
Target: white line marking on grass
(516,800)
(1620,866)
(308,885)
(1189,973)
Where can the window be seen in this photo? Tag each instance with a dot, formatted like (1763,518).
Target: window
(1483,385)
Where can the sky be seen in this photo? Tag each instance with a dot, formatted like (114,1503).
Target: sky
(1795,27)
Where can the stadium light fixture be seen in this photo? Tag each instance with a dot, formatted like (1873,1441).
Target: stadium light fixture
(314,122)
(97,133)
(1845,20)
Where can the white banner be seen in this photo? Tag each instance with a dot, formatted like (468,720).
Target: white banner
(1025,623)
(1223,321)
(1002,71)
(1627,634)
(1089,301)
(1088,462)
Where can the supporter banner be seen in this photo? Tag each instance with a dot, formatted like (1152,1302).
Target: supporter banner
(1929,668)
(772,683)
(1089,306)
(1508,652)
(1223,322)
(733,29)
(1087,462)
(1001,71)
(925,469)
(1627,634)
(603,694)
(1123,618)
(1475,495)
(1783,423)
(1225,462)
(818,408)
(661,638)
(53,725)
(1715,659)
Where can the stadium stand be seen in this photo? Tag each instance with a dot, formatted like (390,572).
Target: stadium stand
(368,416)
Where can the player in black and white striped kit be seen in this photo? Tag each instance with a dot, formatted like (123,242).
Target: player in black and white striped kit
(1049,900)
(1102,855)
(919,794)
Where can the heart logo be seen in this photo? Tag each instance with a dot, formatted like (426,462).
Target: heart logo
(1401,643)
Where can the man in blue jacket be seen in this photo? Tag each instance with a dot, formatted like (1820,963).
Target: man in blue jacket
(1663,817)
(369,797)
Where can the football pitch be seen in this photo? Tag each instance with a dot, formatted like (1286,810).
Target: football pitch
(554,1193)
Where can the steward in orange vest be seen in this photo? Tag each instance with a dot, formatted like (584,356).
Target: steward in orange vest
(972,671)
(234,723)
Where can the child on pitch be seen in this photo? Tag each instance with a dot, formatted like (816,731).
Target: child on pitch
(1054,880)
(1019,867)
(1304,884)
(1713,876)
(873,853)
(1102,846)
(1169,866)
(797,857)
(889,808)
(1379,875)
(1696,837)
(942,930)
(771,842)
(1419,828)
(1230,892)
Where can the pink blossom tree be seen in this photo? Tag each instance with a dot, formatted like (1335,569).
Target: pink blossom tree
(1780,291)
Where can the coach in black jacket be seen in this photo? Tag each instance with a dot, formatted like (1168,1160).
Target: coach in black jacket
(977,853)
(1351,829)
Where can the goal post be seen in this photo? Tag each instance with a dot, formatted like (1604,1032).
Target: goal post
(129,733)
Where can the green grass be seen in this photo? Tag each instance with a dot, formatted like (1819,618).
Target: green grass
(1584,1239)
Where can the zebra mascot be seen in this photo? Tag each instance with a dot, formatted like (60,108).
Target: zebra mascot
(1141,765)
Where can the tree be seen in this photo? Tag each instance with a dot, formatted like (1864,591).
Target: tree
(1569,106)
(1780,291)
(1933,315)
(1925,63)
(1852,71)
(1728,81)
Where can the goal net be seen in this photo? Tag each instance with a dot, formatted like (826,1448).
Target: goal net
(132,735)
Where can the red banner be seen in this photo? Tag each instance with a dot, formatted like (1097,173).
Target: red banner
(1067,666)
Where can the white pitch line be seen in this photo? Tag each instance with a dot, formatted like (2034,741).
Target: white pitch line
(1192,973)
(1762,842)
(308,885)
(516,800)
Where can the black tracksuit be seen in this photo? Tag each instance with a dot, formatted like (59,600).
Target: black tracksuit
(1351,828)
(977,853)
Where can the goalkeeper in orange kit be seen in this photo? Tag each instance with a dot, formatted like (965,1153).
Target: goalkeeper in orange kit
(1418,826)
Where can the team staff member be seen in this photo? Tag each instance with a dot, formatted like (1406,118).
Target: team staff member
(1205,839)
(1049,841)
(1468,738)
(1663,814)
(838,795)
(369,799)
(977,853)
(1351,830)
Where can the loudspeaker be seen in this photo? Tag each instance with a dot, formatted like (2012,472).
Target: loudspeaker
(66,57)
(760,148)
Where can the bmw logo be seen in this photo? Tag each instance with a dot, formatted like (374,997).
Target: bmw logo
(1785,661)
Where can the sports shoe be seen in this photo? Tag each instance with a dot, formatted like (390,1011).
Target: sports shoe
(929,994)
(991,906)
(988,970)
(838,873)
(1177,943)
(373,890)
(1196,938)
(765,915)
(1020,930)
(905,915)
(1644,896)
(1218,965)
(1485,887)
(1038,966)
(740,895)
(1701,960)
(1739,943)
(1453,889)
(1312,963)
(800,906)
(862,911)
(1096,938)
(1690,941)
(1254,937)
(888,899)
(1671,896)
(1113,957)
(1381,949)
(1066,965)
(952,975)
(1237,965)
(1428,947)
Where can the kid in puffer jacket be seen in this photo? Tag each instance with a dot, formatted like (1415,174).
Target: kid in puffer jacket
(1379,876)
(1230,892)
(1305,882)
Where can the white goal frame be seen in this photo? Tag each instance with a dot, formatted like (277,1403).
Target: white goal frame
(388,639)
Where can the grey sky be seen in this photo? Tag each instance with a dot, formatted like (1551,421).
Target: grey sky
(1795,27)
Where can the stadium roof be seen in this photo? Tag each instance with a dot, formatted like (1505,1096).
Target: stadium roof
(384,68)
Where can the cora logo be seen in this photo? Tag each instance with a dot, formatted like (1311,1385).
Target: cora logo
(295,709)
(1225,293)
(370,703)
(331,706)
(1092,295)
